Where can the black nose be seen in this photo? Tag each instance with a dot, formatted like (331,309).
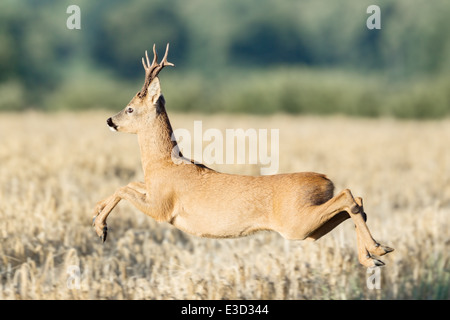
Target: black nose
(111,123)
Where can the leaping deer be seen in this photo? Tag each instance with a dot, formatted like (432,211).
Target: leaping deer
(207,203)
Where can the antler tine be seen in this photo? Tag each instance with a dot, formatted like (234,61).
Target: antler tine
(152,71)
(155,56)
(158,66)
(164,61)
(143,61)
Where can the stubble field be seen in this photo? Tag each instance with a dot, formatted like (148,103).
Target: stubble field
(55,167)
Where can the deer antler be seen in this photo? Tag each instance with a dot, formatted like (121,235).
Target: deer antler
(151,71)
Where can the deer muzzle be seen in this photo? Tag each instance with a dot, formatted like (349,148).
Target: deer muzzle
(112,126)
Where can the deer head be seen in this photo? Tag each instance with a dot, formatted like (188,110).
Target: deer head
(147,103)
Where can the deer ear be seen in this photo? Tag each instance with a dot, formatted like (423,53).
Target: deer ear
(153,91)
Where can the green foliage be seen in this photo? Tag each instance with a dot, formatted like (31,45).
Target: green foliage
(89,91)
(246,56)
(308,91)
(12,96)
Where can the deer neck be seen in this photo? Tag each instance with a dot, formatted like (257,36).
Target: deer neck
(156,143)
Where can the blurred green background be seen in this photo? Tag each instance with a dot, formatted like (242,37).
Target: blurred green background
(254,56)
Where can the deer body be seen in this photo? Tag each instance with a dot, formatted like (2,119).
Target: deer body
(207,203)
(233,205)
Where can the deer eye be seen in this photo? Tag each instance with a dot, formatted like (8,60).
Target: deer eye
(130,110)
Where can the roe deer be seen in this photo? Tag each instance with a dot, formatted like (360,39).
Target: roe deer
(207,203)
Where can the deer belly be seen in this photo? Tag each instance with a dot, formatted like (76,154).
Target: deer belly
(216,226)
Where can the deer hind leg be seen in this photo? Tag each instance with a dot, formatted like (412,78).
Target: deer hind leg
(362,230)
(134,191)
(363,255)
(317,221)
(328,226)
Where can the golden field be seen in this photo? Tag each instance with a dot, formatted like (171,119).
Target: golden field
(55,167)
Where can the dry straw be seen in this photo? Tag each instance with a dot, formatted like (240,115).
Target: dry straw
(55,167)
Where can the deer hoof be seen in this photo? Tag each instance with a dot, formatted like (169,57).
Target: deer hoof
(100,228)
(377,263)
(105,232)
(370,262)
(380,250)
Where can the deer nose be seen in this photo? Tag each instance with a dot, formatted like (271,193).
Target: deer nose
(111,124)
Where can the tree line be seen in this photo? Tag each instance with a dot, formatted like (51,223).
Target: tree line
(40,56)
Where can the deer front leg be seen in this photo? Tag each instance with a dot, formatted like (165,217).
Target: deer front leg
(139,186)
(134,192)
